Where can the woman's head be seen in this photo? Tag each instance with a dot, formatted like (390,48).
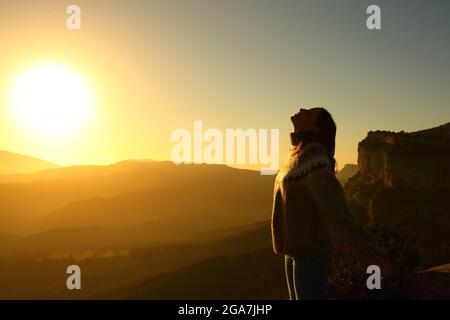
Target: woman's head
(305,119)
(315,125)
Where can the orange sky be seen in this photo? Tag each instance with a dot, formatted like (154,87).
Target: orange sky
(155,66)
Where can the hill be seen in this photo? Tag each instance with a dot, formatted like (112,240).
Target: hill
(255,275)
(132,192)
(13,163)
(348,171)
(107,269)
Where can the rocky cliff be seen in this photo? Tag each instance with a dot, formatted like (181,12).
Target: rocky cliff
(407,161)
(404,180)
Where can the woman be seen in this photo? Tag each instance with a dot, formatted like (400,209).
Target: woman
(310,213)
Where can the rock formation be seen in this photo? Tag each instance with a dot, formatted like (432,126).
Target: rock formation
(407,161)
(404,180)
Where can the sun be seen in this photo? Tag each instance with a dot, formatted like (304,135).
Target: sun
(51,100)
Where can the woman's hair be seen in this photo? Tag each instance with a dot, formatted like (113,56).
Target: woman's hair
(326,135)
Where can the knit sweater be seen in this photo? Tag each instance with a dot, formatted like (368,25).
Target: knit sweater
(310,214)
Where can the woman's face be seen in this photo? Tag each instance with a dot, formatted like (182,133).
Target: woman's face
(305,119)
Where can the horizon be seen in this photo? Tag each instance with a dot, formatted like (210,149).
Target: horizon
(247,167)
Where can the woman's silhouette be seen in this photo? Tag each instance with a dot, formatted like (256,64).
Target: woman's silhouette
(310,213)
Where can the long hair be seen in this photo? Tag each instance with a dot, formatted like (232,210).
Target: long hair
(326,135)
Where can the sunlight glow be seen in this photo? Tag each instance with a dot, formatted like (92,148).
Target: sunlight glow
(50,100)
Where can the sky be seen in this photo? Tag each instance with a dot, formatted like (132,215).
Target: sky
(155,66)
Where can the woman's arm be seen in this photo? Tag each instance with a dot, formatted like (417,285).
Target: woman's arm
(329,197)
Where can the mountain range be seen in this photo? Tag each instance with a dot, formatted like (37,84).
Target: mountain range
(156,230)
(13,163)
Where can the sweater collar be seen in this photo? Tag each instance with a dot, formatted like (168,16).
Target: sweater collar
(299,163)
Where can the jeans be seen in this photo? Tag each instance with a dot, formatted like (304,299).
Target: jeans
(307,279)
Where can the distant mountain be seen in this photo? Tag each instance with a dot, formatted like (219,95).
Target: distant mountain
(13,163)
(245,257)
(201,205)
(76,240)
(76,171)
(134,192)
(108,263)
(255,275)
(348,171)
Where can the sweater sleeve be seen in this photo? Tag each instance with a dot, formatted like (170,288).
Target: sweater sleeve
(275,221)
(329,197)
